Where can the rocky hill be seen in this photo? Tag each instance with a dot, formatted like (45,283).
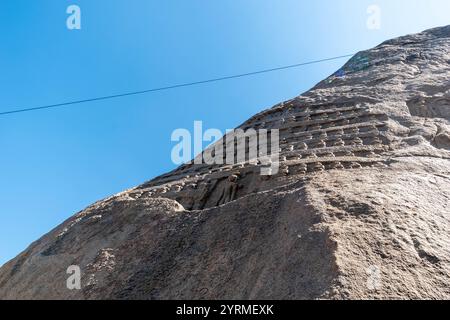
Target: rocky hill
(360,207)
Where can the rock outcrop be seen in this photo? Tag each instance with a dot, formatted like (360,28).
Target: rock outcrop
(359,209)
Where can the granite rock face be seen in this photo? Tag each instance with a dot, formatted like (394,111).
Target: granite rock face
(359,209)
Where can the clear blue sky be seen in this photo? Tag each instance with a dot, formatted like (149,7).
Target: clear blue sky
(54,163)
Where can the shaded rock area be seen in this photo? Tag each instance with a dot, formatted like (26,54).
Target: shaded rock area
(360,208)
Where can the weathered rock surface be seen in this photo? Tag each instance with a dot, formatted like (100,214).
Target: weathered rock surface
(360,208)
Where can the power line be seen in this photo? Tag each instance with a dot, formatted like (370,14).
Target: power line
(170,87)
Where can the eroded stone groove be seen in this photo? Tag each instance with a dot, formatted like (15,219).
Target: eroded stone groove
(313,138)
